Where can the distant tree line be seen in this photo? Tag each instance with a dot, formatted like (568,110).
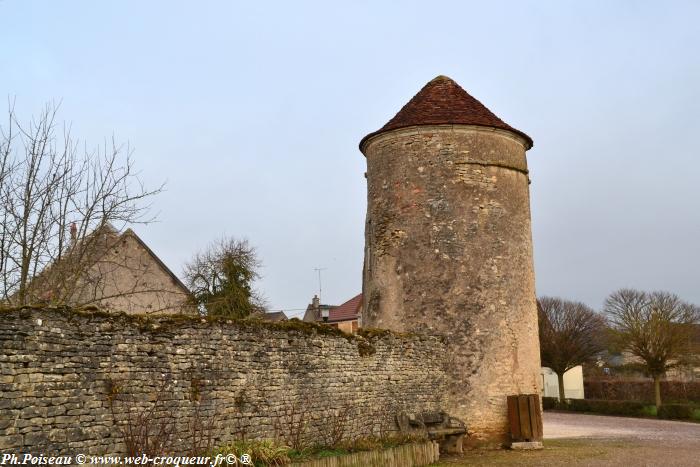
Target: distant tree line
(656,327)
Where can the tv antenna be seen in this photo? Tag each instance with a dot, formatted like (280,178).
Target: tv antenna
(318,270)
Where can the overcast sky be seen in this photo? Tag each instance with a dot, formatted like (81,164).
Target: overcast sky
(252,112)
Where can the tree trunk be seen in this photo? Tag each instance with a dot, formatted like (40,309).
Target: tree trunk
(562,395)
(657,391)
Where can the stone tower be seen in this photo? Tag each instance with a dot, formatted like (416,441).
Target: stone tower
(448,247)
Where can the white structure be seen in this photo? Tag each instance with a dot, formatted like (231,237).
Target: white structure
(573,383)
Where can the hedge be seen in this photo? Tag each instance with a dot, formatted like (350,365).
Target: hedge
(642,390)
(626,408)
(679,411)
(550,403)
(629,408)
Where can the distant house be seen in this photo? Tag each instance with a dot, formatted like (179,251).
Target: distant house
(631,366)
(113,271)
(346,317)
(274,316)
(315,311)
(573,383)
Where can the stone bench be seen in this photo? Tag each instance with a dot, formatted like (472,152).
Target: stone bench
(446,430)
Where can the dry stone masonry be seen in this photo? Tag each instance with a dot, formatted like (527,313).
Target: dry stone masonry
(62,372)
(448,269)
(449,250)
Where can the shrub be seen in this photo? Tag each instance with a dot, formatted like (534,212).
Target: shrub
(577,405)
(337,425)
(628,408)
(263,453)
(550,403)
(696,414)
(291,427)
(676,411)
(328,452)
(365,443)
(146,429)
(631,408)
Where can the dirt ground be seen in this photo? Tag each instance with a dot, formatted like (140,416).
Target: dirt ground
(592,440)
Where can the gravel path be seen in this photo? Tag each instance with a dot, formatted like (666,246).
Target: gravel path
(577,440)
(567,425)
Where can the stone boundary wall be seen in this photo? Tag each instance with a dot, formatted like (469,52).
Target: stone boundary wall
(69,379)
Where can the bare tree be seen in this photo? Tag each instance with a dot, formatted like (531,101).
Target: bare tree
(221,279)
(570,335)
(55,196)
(148,429)
(657,327)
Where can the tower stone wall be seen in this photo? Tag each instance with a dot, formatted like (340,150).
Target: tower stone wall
(449,250)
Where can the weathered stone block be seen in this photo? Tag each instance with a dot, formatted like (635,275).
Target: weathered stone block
(11,442)
(250,375)
(448,247)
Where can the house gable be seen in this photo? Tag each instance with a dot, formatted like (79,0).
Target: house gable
(129,277)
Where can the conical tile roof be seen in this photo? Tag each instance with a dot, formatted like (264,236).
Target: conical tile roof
(443,101)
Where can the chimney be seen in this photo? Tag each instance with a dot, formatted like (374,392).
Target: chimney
(315,302)
(73,232)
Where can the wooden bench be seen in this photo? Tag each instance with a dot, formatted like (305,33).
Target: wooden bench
(447,431)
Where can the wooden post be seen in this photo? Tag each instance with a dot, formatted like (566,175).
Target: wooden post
(525,420)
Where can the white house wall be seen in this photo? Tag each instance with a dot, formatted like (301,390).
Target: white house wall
(573,383)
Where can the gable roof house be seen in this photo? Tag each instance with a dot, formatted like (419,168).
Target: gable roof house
(346,317)
(273,316)
(113,271)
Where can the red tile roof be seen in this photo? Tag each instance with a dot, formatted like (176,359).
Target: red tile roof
(442,101)
(348,311)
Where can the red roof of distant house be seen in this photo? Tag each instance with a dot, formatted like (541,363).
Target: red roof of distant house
(348,311)
(443,101)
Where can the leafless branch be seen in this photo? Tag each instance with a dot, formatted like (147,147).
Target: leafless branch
(56,201)
(656,327)
(571,334)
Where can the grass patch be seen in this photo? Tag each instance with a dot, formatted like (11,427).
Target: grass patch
(265,453)
(315,453)
(331,452)
(367,443)
(562,452)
